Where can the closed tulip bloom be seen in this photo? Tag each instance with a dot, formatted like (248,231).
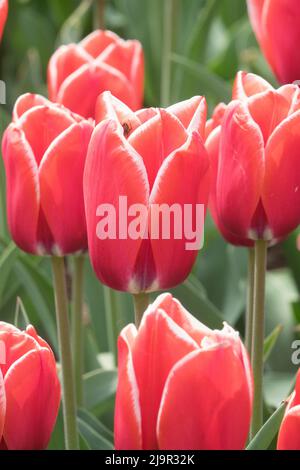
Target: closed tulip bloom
(78,73)
(255,163)
(277,28)
(44,151)
(181,385)
(151,157)
(3,15)
(29,389)
(289,432)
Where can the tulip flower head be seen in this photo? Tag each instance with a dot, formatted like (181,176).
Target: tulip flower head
(29,389)
(289,432)
(255,162)
(181,385)
(78,73)
(276,24)
(3,15)
(149,158)
(44,151)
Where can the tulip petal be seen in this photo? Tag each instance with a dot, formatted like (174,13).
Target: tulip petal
(109,107)
(156,329)
(33,396)
(127,57)
(268,109)
(2,403)
(88,82)
(278,46)
(182,183)
(22,188)
(206,403)
(212,145)
(281,190)
(128,427)
(248,84)
(41,125)
(17,344)
(113,169)
(60,172)
(26,102)
(240,170)
(174,309)
(65,61)
(289,433)
(156,139)
(191,113)
(98,41)
(3,15)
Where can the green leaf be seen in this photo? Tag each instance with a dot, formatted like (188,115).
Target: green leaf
(267,433)
(21,317)
(91,436)
(191,293)
(7,260)
(271,340)
(99,388)
(97,425)
(72,29)
(208,82)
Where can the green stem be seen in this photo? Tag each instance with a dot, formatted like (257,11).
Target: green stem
(166,53)
(63,329)
(141,302)
(100,14)
(260,262)
(249,311)
(77,326)
(111,313)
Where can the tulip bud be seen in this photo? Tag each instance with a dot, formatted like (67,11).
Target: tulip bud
(78,73)
(276,25)
(44,151)
(254,158)
(139,162)
(181,385)
(29,389)
(289,432)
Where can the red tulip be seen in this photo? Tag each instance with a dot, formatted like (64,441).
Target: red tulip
(181,385)
(151,157)
(44,151)
(277,28)
(3,15)
(289,433)
(78,73)
(29,389)
(255,165)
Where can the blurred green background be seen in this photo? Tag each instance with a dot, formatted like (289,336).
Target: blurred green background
(211,41)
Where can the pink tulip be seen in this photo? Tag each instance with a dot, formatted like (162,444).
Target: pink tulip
(78,73)
(255,165)
(289,432)
(29,389)
(276,24)
(44,151)
(181,385)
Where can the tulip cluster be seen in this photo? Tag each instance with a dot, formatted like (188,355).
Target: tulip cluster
(29,389)
(181,385)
